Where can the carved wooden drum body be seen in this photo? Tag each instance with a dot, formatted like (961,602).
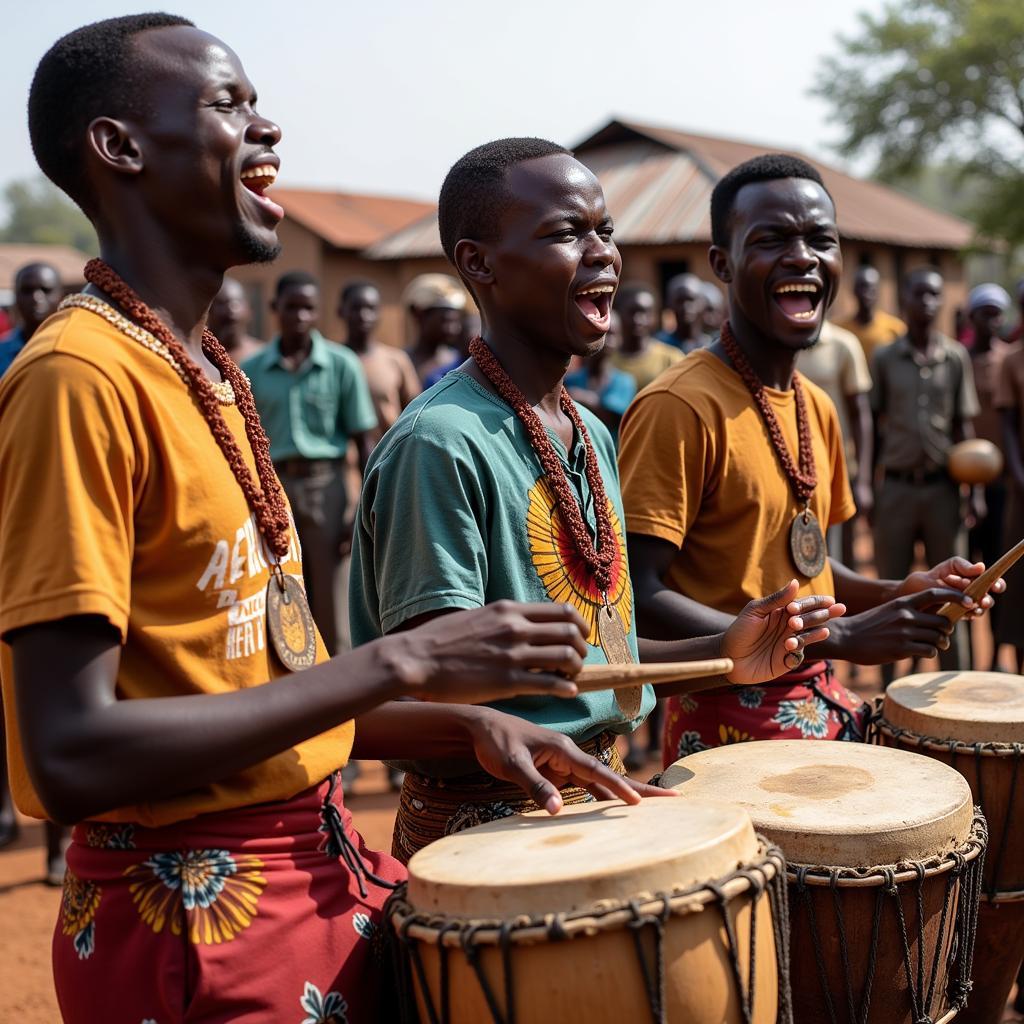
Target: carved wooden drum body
(883,851)
(665,911)
(974,722)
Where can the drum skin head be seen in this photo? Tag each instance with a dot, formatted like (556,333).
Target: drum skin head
(828,802)
(972,707)
(539,863)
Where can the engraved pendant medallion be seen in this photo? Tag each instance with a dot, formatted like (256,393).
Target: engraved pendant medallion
(615,644)
(290,623)
(807,544)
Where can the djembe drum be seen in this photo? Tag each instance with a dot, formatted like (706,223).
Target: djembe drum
(884,852)
(974,721)
(667,911)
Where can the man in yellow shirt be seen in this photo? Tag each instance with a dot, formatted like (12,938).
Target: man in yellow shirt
(151,603)
(733,467)
(873,326)
(640,354)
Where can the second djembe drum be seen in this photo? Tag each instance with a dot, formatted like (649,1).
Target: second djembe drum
(884,852)
(974,722)
(669,911)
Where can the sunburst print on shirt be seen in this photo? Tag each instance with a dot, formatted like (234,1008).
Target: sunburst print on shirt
(562,570)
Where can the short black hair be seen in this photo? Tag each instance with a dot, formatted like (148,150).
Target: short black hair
(767,167)
(473,196)
(86,74)
(295,279)
(35,265)
(356,286)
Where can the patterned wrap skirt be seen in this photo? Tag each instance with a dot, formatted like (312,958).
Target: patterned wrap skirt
(806,704)
(430,808)
(265,913)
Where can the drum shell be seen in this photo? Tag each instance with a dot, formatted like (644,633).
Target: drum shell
(991,779)
(598,977)
(891,1002)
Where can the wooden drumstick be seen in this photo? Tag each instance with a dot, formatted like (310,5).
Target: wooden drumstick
(613,677)
(979,587)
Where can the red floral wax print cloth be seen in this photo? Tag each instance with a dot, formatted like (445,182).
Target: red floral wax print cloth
(806,704)
(266,913)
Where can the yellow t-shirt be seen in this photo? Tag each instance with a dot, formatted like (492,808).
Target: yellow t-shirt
(884,329)
(645,366)
(115,500)
(698,470)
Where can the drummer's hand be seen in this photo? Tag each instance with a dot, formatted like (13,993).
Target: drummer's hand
(767,639)
(955,573)
(905,627)
(499,651)
(541,761)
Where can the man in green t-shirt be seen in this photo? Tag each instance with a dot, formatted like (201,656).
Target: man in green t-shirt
(492,486)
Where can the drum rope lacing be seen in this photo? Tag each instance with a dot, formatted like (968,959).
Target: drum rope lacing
(997,890)
(647,915)
(964,864)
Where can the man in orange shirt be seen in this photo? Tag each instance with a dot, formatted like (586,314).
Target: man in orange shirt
(733,467)
(151,603)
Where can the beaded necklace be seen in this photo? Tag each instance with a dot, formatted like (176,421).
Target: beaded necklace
(806,541)
(290,623)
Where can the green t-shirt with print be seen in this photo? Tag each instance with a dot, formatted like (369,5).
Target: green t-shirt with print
(456,513)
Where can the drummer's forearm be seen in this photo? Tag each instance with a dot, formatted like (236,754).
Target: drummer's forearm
(860,593)
(664,615)
(415,730)
(696,649)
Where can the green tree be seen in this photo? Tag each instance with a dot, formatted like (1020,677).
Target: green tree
(37,211)
(939,81)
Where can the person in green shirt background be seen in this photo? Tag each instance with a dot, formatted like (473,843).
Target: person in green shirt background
(313,399)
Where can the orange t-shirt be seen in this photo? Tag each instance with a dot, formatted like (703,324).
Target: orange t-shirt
(115,500)
(698,470)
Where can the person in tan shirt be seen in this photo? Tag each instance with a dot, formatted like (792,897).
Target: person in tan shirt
(711,507)
(873,326)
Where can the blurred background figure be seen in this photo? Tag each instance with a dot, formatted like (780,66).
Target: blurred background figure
(1017,332)
(471,328)
(640,354)
(872,326)
(686,298)
(924,402)
(312,397)
(436,303)
(1009,400)
(714,308)
(987,305)
(390,375)
(598,385)
(229,319)
(837,365)
(37,293)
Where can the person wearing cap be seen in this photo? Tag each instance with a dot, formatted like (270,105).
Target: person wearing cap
(924,402)
(436,303)
(986,309)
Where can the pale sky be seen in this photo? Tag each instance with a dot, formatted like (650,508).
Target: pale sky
(383,96)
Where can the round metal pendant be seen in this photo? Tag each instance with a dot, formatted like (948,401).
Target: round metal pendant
(290,623)
(613,640)
(807,544)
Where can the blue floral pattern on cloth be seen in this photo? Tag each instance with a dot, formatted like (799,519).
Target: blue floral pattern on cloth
(751,697)
(214,892)
(810,716)
(321,1009)
(78,906)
